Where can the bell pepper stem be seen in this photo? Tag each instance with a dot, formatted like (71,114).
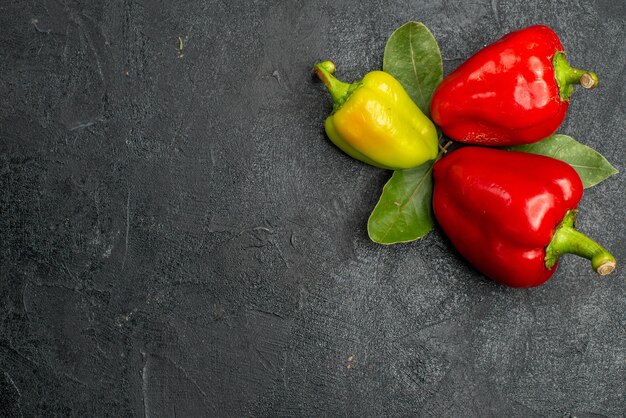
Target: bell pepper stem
(567,240)
(567,76)
(443,149)
(339,90)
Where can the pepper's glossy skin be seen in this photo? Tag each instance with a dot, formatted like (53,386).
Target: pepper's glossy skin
(378,123)
(507,93)
(500,209)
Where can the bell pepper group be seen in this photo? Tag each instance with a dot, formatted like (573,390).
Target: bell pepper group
(510,214)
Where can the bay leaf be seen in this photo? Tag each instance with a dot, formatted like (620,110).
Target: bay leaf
(413,57)
(590,165)
(404,210)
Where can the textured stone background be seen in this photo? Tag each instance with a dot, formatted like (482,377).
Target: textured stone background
(179,237)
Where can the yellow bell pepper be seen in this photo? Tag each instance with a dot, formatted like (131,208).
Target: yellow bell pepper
(375,121)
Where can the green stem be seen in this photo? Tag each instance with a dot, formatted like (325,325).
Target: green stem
(567,240)
(567,76)
(339,90)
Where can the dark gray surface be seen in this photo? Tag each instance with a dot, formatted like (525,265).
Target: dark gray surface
(180,238)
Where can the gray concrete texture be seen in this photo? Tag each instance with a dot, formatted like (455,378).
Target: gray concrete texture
(179,237)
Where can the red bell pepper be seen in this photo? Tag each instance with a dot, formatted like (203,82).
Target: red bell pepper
(511,214)
(514,91)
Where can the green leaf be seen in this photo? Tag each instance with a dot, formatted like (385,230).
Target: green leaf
(590,165)
(412,56)
(404,211)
